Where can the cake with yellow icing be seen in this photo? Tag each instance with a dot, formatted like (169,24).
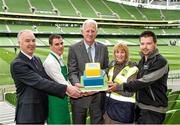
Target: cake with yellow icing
(92,75)
(92,69)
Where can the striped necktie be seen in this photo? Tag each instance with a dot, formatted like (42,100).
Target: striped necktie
(90,54)
(34,62)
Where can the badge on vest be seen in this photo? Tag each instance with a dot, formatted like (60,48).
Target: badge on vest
(146,67)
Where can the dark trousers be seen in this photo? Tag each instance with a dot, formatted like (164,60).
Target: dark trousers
(79,115)
(95,109)
(23,123)
(144,116)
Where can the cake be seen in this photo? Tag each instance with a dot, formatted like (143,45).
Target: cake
(92,69)
(92,75)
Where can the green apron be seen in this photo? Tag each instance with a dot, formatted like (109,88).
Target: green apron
(58,107)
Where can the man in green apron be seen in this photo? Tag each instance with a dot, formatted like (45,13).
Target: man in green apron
(56,70)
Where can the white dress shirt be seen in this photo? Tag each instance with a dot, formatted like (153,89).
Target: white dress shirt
(30,57)
(53,68)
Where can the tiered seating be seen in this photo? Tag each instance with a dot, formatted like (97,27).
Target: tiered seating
(88,8)
(7,113)
(64,7)
(18,7)
(3,28)
(43,41)
(84,8)
(17,28)
(168,91)
(117,8)
(42,7)
(171,14)
(100,8)
(105,30)
(1,6)
(172,115)
(48,29)
(151,14)
(174,92)
(72,40)
(134,12)
(4,41)
(172,97)
(172,31)
(71,29)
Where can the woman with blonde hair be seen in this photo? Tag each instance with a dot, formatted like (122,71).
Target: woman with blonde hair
(120,105)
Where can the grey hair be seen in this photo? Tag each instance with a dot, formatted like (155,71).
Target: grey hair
(88,21)
(22,31)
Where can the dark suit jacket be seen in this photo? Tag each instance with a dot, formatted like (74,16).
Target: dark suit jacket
(77,58)
(32,88)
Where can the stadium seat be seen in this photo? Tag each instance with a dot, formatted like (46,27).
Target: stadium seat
(177,105)
(168,91)
(172,97)
(171,104)
(175,92)
(178,98)
(168,116)
(172,117)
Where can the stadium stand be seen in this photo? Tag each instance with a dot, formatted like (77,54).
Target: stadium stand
(171,14)
(172,117)
(2,6)
(42,7)
(17,28)
(84,8)
(172,97)
(120,11)
(175,92)
(65,8)
(22,6)
(101,9)
(150,14)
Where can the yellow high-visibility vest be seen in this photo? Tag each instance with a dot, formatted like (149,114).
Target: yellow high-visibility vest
(121,78)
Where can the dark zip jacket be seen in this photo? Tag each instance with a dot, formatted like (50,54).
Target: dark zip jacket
(151,83)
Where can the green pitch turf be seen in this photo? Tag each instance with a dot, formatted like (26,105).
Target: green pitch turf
(172,54)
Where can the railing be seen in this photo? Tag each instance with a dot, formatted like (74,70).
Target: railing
(5,89)
(174,76)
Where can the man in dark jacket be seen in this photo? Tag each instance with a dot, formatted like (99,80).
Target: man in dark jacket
(151,83)
(32,83)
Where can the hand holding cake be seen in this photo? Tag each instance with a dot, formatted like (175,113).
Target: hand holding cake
(112,86)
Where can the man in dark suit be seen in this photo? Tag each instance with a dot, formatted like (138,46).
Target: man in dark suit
(77,57)
(32,85)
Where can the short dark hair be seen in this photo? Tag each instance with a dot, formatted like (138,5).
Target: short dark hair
(149,34)
(54,36)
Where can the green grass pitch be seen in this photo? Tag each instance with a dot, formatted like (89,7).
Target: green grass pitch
(171,53)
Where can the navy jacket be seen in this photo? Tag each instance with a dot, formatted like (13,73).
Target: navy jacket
(32,87)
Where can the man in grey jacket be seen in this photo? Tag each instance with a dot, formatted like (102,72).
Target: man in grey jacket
(87,50)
